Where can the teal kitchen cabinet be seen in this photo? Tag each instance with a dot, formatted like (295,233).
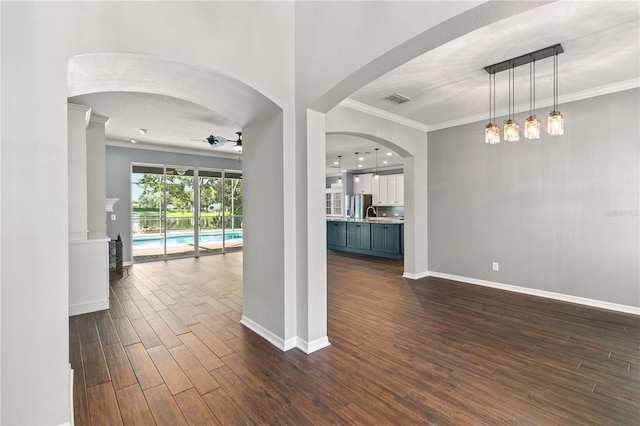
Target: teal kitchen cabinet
(336,234)
(386,238)
(359,235)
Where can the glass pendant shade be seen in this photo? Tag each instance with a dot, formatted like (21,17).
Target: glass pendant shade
(555,124)
(492,134)
(532,128)
(511,131)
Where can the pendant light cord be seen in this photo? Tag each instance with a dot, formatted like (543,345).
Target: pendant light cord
(494,96)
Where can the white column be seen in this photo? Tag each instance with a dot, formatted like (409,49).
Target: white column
(96,176)
(77,121)
(416,235)
(316,235)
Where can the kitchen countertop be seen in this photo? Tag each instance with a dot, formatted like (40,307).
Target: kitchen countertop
(370,220)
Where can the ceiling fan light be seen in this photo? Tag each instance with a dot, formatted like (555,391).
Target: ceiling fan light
(238,147)
(492,134)
(511,131)
(555,123)
(532,128)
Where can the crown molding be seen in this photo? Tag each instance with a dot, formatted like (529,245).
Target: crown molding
(171,149)
(100,119)
(540,103)
(367,109)
(83,109)
(544,103)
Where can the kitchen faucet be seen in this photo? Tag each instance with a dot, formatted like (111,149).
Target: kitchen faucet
(366,216)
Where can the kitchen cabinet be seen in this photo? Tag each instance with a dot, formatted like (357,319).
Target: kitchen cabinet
(359,235)
(388,190)
(362,183)
(334,200)
(386,238)
(368,238)
(336,234)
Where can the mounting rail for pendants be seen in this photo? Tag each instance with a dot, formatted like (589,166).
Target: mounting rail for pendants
(547,52)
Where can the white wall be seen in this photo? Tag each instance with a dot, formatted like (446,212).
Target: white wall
(34,137)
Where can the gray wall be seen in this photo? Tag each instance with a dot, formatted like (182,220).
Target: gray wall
(119,161)
(559,214)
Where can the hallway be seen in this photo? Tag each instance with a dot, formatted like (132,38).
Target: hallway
(171,351)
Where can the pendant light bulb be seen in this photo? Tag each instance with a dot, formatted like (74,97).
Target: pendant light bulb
(555,122)
(532,124)
(492,130)
(511,126)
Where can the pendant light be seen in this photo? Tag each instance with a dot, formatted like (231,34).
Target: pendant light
(511,126)
(356,177)
(492,130)
(376,175)
(555,123)
(532,124)
(339,170)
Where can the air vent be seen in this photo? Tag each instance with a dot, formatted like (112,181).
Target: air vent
(397,98)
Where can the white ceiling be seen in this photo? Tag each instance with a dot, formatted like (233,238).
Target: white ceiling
(447,85)
(170,122)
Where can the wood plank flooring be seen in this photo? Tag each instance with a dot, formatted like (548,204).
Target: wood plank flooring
(171,351)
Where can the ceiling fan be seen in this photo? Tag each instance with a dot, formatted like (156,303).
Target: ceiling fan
(218,141)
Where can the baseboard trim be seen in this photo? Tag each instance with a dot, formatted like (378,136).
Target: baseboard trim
(309,347)
(285,345)
(85,308)
(541,293)
(416,276)
(270,337)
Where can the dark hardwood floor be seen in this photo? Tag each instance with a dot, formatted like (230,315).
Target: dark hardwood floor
(170,351)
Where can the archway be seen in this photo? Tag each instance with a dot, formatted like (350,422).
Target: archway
(261,122)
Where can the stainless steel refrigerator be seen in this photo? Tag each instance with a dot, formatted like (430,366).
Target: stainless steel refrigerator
(356,205)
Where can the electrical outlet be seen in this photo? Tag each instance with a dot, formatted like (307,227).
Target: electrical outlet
(113,216)
(495,266)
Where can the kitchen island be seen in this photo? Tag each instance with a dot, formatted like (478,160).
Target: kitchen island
(379,237)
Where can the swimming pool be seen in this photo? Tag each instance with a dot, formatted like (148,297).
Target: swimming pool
(177,240)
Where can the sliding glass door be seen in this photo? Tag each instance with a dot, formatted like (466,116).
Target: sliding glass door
(182,211)
(233,211)
(147,212)
(211,210)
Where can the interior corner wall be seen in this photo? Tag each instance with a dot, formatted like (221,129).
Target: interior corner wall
(118,176)
(559,214)
(263,302)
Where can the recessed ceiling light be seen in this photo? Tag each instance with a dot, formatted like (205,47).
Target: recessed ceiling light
(133,140)
(359,165)
(335,163)
(361,159)
(389,153)
(143,131)
(385,162)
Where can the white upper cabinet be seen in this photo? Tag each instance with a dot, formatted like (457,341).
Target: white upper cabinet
(362,183)
(388,190)
(334,200)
